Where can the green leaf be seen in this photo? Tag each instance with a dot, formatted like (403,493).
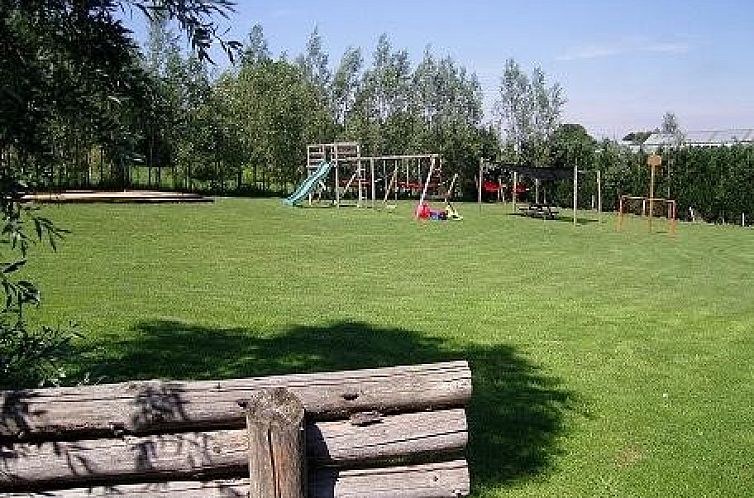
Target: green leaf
(12,267)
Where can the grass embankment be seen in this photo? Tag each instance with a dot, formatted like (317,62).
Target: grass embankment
(605,364)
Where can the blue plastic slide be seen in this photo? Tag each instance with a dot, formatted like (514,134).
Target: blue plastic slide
(309,184)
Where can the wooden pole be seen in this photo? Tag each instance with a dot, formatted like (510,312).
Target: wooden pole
(362,186)
(481,174)
(408,167)
(277,456)
(395,183)
(374,185)
(449,192)
(575,193)
(395,187)
(384,173)
(673,220)
(396,169)
(360,172)
(401,157)
(513,191)
(599,194)
(653,161)
(651,196)
(306,170)
(671,159)
(337,177)
(391,186)
(419,172)
(620,214)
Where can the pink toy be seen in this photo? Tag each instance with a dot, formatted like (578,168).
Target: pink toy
(423,211)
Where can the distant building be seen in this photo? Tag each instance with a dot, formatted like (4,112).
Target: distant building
(714,138)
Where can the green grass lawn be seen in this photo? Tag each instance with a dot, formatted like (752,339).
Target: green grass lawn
(605,364)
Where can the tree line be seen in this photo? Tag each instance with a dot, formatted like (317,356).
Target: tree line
(713,184)
(94,113)
(249,128)
(163,120)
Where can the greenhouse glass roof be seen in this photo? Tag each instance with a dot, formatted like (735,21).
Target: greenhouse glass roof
(712,137)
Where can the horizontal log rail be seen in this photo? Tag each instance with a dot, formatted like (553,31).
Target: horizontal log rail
(158,406)
(435,480)
(51,465)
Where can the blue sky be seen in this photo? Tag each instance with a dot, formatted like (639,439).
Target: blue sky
(622,64)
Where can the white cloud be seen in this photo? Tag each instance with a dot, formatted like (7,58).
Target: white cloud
(625,47)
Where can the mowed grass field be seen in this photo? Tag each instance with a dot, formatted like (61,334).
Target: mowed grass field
(605,364)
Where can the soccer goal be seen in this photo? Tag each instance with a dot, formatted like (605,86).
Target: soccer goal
(649,208)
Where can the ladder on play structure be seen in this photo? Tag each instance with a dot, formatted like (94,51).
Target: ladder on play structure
(347,166)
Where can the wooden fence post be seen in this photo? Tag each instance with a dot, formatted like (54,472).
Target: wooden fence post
(277,454)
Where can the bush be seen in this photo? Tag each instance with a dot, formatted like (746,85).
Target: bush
(26,357)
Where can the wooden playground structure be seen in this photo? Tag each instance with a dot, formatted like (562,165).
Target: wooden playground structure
(540,206)
(364,181)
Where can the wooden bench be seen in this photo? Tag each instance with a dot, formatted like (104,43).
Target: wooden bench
(539,210)
(379,433)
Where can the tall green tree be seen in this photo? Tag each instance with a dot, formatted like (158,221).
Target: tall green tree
(256,50)
(546,113)
(314,68)
(314,61)
(278,111)
(530,111)
(447,105)
(345,85)
(163,112)
(381,110)
(514,108)
(572,144)
(672,127)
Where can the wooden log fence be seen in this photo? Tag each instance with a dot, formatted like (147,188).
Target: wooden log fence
(407,424)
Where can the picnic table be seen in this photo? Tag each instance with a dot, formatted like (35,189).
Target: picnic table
(546,211)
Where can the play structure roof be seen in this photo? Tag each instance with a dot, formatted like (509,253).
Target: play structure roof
(544,173)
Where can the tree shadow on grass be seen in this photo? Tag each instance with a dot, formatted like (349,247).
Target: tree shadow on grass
(580,220)
(515,415)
